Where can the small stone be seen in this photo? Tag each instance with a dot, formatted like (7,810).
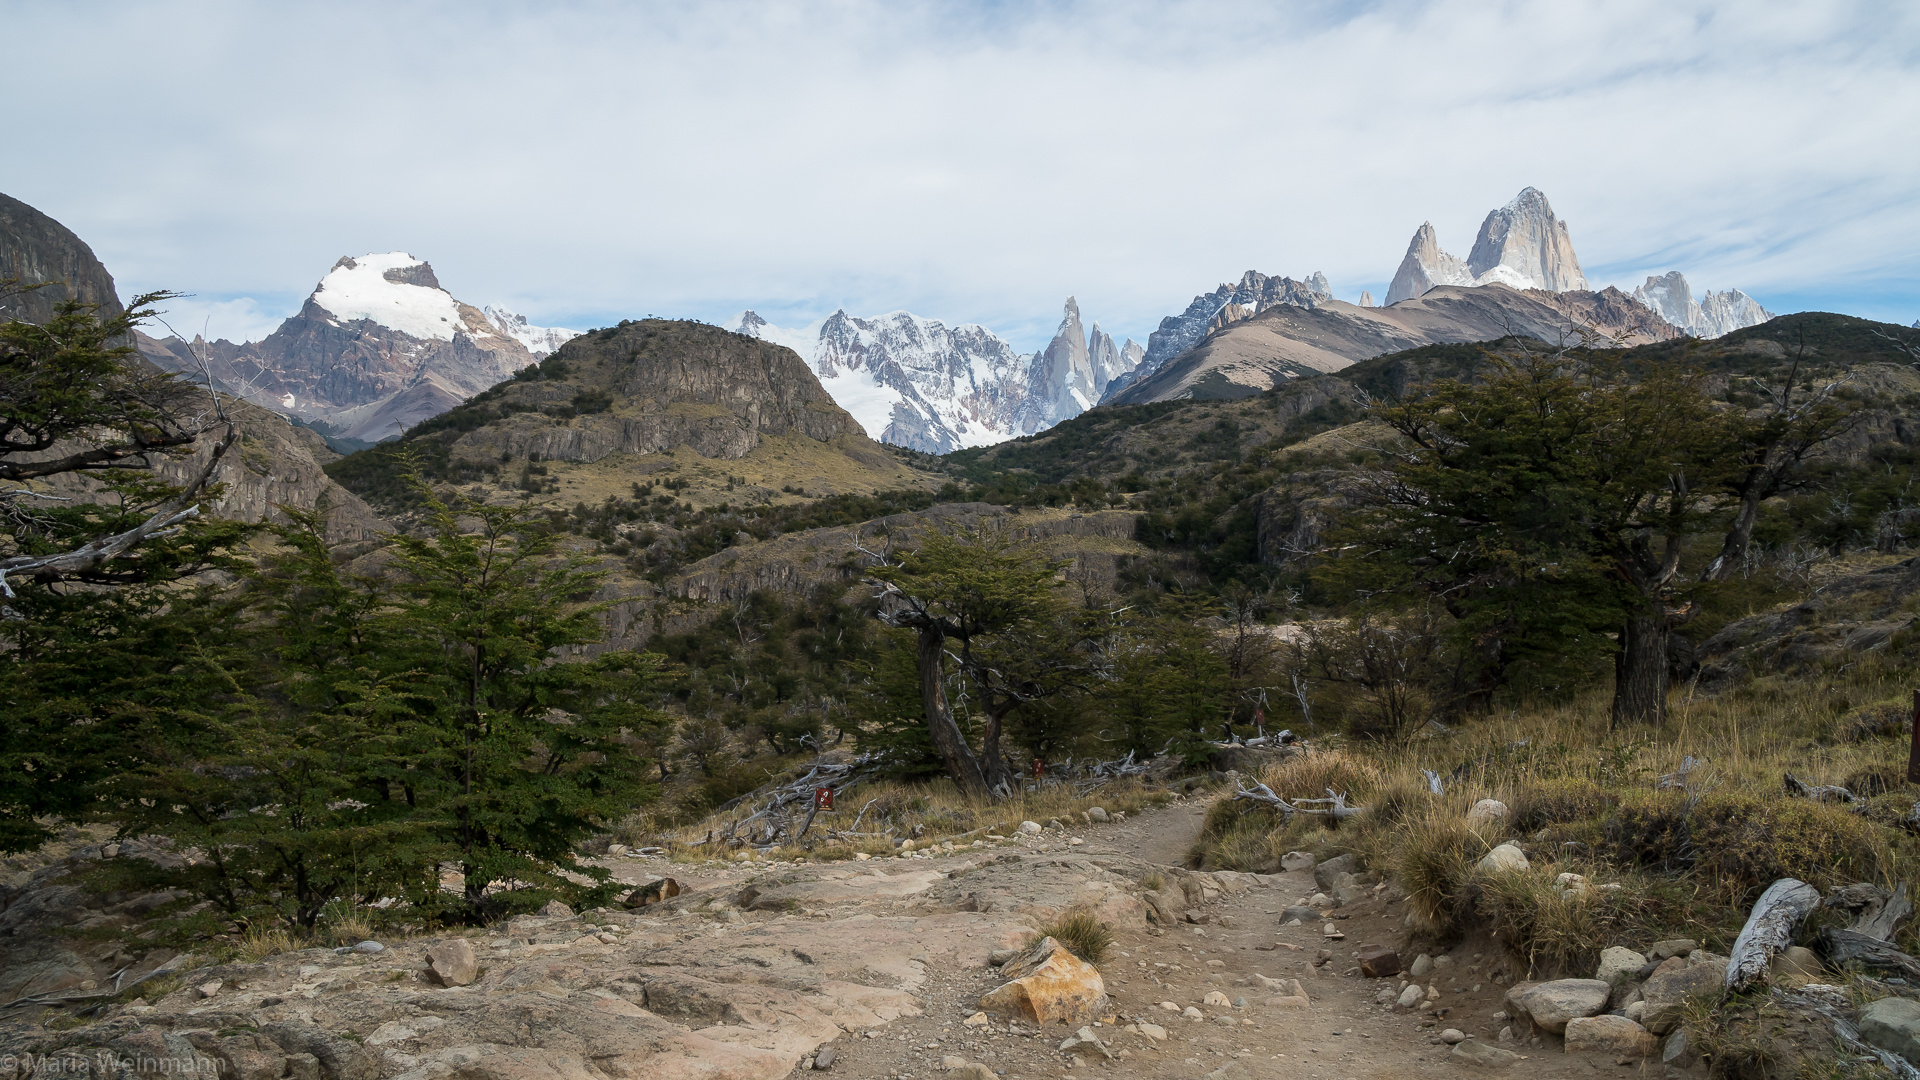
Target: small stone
(453,962)
(554,909)
(1635,1011)
(1678,1052)
(208,989)
(1422,967)
(1197,917)
(1217,1000)
(1378,962)
(823,1060)
(1618,965)
(1085,1044)
(952,1062)
(1795,965)
(1074,841)
(1384,997)
(1098,815)
(368,948)
(1153,1031)
(1000,956)
(978,1019)
(1506,1033)
(1169,1006)
(1410,996)
(1192,1013)
(1507,858)
(1296,860)
(1226,1021)
(1452,1036)
(1332,933)
(1486,812)
(1479,1055)
(1030,828)
(1239,1003)
(1663,950)
(1613,1035)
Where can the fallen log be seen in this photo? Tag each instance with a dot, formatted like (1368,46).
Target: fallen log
(1769,929)
(1844,947)
(1335,805)
(1880,921)
(1817,792)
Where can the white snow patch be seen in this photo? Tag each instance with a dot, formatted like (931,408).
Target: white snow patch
(360,291)
(538,339)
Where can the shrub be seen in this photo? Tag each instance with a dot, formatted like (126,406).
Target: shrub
(1309,775)
(1435,865)
(1560,802)
(1739,843)
(1081,933)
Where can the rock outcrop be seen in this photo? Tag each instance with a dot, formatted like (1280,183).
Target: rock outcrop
(37,250)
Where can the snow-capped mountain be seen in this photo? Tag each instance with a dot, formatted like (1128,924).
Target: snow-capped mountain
(378,347)
(1522,245)
(919,383)
(1525,246)
(1714,314)
(539,340)
(1230,302)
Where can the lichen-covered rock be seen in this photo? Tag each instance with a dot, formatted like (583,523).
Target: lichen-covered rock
(1048,983)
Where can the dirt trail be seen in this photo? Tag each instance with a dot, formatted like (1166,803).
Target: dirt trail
(1346,1033)
(760,966)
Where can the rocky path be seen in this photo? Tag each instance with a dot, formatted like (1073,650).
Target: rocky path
(863,969)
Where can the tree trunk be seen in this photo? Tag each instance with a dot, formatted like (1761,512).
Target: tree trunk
(1640,668)
(1739,536)
(993,764)
(947,740)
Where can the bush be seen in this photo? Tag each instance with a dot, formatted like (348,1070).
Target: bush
(1560,802)
(1081,933)
(1435,865)
(1309,775)
(1740,843)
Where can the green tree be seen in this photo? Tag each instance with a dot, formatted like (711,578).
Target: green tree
(96,574)
(522,745)
(997,607)
(1548,506)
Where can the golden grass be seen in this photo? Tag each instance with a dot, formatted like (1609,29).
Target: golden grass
(1083,935)
(261,942)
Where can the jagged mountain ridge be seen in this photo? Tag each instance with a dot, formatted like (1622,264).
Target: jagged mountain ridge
(1230,302)
(377,347)
(916,382)
(1522,245)
(37,250)
(1525,246)
(1291,341)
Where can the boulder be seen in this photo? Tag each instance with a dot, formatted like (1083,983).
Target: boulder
(453,962)
(1097,815)
(1296,860)
(1666,991)
(1503,859)
(1327,874)
(1615,1035)
(1487,812)
(1892,1024)
(554,909)
(1478,1055)
(1410,996)
(1048,983)
(1030,828)
(1618,965)
(1552,1004)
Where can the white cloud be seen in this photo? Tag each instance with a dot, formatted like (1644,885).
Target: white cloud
(588,161)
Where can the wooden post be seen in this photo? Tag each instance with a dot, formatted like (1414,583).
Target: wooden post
(1913,751)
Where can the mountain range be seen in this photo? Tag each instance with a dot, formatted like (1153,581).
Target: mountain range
(379,346)
(918,383)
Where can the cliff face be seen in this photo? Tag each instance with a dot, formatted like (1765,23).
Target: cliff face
(37,249)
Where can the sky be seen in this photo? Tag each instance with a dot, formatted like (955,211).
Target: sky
(587,162)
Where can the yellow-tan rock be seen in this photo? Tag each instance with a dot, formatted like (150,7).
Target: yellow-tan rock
(1046,983)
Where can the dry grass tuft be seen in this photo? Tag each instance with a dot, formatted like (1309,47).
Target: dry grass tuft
(1081,933)
(261,942)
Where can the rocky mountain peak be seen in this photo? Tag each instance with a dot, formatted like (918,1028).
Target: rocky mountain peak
(1524,245)
(37,249)
(1230,302)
